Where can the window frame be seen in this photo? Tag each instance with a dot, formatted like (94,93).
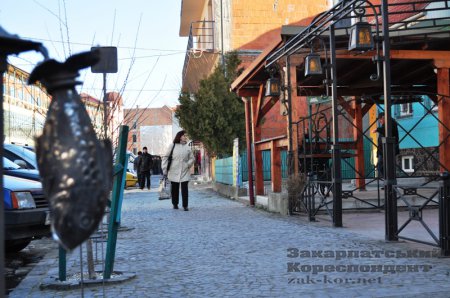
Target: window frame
(408,112)
(411,163)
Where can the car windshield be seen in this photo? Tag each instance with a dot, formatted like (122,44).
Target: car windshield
(9,165)
(28,155)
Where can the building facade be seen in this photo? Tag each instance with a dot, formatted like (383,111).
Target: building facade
(153,128)
(214,27)
(25,108)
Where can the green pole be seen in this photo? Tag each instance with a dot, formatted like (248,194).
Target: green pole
(116,199)
(62,264)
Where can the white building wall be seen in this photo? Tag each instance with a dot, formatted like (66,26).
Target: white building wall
(157,138)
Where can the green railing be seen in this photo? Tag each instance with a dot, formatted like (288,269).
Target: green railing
(224,170)
(347,166)
(243,166)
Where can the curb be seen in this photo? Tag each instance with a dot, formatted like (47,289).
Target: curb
(54,283)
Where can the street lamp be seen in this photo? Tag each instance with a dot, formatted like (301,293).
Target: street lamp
(313,65)
(273,87)
(361,38)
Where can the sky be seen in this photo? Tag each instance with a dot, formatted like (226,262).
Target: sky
(146,33)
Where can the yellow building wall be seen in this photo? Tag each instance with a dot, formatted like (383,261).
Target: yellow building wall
(252,18)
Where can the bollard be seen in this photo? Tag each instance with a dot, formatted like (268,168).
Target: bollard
(337,187)
(444,214)
(310,193)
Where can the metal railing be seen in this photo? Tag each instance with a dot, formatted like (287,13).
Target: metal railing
(201,38)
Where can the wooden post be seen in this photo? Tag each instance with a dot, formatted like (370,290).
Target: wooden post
(443,89)
(359,139)
(275,167)
(248,137)
(259,177)
(295,116)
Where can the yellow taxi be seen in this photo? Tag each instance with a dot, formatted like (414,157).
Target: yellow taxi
(131,180)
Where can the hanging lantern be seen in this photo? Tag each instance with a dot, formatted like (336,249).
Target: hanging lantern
(273,87)
(361,38)
(313,65)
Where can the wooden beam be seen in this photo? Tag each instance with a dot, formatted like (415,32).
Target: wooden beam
(258,105)
(420,55)
(247,92)
(346,106)
(366,108)
(359,139)
(443,81)
(267,107)
(437,56)
(280,142)
(275,167)
(259,178)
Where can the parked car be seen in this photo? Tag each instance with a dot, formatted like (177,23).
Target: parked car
(25,159)
(12,169)
(20,155)
(131,180)
(26,213)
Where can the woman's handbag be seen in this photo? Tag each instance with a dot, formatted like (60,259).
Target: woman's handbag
(169,159)
(164,189)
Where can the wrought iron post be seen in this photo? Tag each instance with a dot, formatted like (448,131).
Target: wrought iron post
(444,214)
(311,203)
(390,202)
(289,113)
(337,178)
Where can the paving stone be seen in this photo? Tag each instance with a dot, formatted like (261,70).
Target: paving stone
(221,248)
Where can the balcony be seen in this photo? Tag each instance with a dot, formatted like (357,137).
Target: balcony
(201,54)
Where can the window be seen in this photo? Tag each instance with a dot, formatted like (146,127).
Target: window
(12,90)
(406,109)
(408,164)
(134,124)
(134,151)
(134,138)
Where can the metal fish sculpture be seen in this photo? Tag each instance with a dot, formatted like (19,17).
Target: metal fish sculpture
(76,168)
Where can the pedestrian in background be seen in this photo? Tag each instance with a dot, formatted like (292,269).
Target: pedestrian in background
(381,134)
(181,159)
(136,167)
(145,164)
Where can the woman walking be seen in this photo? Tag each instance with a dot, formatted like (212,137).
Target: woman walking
(176,165)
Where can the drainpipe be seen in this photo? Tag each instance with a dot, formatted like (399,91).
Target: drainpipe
(221,37)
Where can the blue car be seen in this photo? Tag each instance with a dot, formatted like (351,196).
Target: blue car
(12,169)
(20,155)
(27,215)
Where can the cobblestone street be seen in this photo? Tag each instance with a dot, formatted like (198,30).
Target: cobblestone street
(222,248)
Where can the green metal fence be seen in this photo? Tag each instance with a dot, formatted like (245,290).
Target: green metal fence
(266,165)
(347,166)
(224,170)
